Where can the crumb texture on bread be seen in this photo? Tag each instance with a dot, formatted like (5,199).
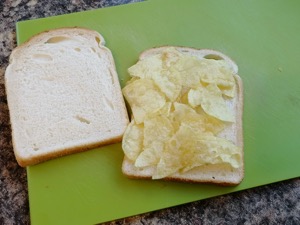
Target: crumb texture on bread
(63,95)
(222,174)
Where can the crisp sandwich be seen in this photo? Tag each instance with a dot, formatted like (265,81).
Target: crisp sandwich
(186,117)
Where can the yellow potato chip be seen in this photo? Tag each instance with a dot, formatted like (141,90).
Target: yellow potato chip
(147,68)
(167,86)
(211,100)
(133,79)
(179,151)
(216,72)
(183,97)
(165,111)
(228,91)
(148,158)
(144,98)
(190,146)
(156,68)
(186,71)
(170,160)
(185,114)
(198,119)
(213,150)
(219,73)
(157,131)
(132,143)
(170,57)
(196,148)
(212,124)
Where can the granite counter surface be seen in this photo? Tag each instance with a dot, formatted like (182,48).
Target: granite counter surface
(277,203)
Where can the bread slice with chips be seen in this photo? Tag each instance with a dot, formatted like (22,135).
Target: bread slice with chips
(186,125)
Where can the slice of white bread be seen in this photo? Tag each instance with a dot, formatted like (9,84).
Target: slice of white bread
(63,95)
(221,174)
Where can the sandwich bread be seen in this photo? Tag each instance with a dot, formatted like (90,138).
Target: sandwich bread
(63,95)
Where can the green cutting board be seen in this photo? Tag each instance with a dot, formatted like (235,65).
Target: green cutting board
(261,36)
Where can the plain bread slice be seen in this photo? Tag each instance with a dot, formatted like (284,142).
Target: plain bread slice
(64,95)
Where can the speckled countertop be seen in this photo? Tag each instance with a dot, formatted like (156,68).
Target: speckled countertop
(277,203)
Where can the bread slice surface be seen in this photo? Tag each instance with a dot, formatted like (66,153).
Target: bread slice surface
(221,174)
(63,95)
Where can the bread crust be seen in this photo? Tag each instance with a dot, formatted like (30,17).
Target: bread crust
(132,172)
(37,159)
(62,151)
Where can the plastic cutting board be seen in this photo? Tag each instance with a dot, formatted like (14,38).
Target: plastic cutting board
(261,36)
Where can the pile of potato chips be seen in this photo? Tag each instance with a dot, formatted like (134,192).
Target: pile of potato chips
(179,107)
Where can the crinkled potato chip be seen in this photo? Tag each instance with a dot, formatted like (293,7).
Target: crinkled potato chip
(188,68)
(192,148)
(170,57)
(167,86)
(133,137)
(152,68)
(157,131)
(144,98)
(229,92)
(190,145)
(179,151)
(172,158)
(165,111)
(216,72)
(147,68)
(212,150)
(170,161)
(211,100)
(212,124)
(198,119)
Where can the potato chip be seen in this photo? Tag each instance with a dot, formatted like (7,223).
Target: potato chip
(186,71)
(228,91)
(219,73)
(170,160)
(212,150)
(170,57)
(165,111)
(147,68)
(199,120)
(150,157)
(178,152)
(156,68)
(196,148)
(133,137)
(211,100)
(133,79)
(212,124)
(157,131)
(144,98)
(183,97)
(185,114)
(190,146)
(166,85)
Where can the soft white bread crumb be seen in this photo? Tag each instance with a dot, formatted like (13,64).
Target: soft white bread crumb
(218,174)
(63,95)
